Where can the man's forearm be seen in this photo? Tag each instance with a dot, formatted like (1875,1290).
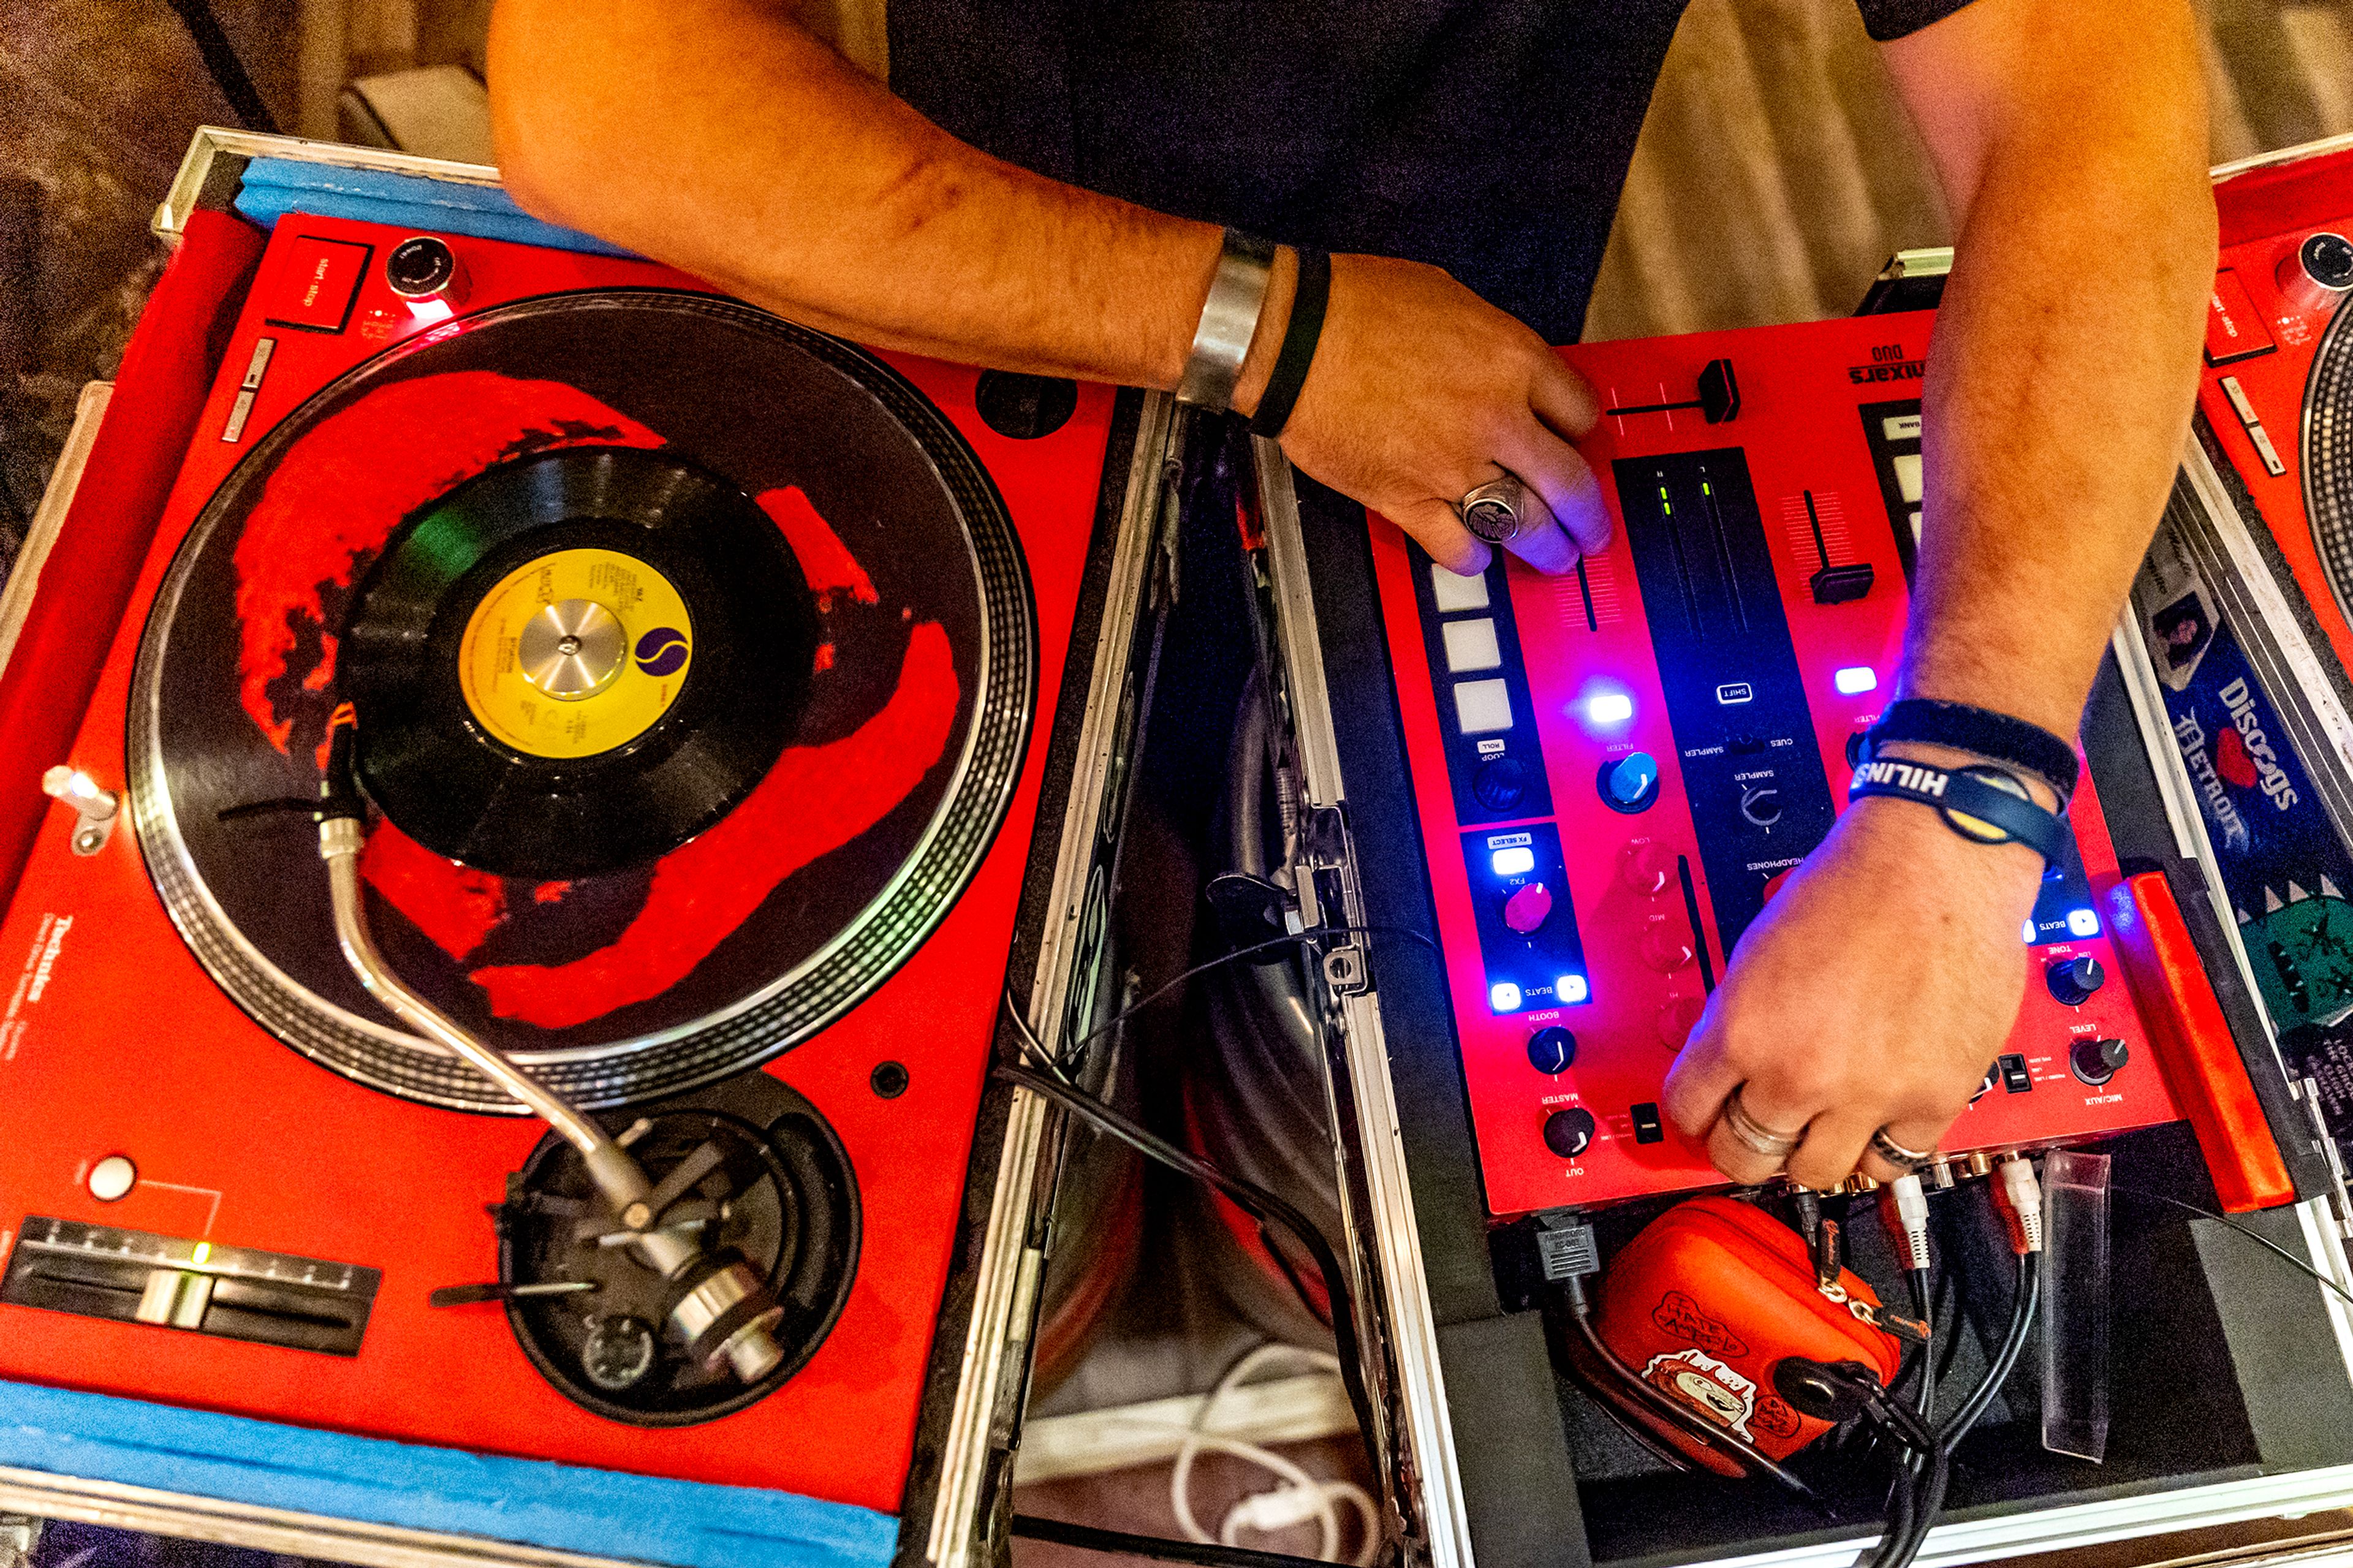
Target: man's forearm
(718,136)
(2064,369)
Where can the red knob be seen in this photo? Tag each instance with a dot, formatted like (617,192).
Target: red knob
(1665,948)
(1646,866)
(1676,1020)
(1529,908)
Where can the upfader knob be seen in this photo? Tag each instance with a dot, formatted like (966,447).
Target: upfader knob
(1569,1133)
(2096,1061)
(2072,980)
(1551,1049)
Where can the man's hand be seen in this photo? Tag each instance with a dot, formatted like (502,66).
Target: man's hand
(1421,391)
(1872,992)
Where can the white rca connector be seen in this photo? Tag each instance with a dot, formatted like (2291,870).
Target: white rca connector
(1908,1202)
(2020,1203)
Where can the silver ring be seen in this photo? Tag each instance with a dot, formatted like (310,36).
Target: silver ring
(1896,1154)
(1754,1135)
(1497,510)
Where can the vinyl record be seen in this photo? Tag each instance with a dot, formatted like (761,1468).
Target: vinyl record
(576,662)
(832,712)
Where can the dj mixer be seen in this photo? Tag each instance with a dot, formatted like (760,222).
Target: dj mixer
(1617,769)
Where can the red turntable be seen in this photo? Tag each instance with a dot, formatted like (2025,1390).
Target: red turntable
(684,684)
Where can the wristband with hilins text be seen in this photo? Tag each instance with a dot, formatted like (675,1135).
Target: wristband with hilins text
(1983,804)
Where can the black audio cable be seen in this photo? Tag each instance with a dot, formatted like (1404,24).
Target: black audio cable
(2014,1342)
(2281,1253)
(1570,1299)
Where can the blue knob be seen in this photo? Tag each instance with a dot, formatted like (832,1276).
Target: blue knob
(1631,783)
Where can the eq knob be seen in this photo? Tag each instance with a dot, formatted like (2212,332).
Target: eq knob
(1551,1049)
(1528,909)
(1646,866)
(1569,1133)
(1676,1020)
(1631,784)
(1665,948)
(2072,980)
(2096,1061)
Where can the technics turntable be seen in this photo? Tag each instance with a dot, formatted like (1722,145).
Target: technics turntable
(696,716)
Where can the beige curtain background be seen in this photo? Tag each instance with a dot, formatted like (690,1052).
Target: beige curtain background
(1777,170)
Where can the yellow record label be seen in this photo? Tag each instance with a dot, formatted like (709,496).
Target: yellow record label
(575,653)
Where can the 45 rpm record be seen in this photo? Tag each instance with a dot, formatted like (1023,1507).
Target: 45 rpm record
(576,662)
(693,656)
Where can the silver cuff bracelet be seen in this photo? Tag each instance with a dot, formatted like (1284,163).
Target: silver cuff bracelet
(1228,321)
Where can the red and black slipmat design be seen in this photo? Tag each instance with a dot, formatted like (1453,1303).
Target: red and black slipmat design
(700,666)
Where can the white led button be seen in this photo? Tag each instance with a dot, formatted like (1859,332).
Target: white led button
(1901,427)
(1455,592)
(1907,475)
(1482,706)
(1471,645)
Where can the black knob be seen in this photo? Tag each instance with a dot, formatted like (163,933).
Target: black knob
(420,266)
(1552,1048)
(1500,782)
(2327,260)
(2072,980)
(2096,1061)
(1567,1132)
(1761,804)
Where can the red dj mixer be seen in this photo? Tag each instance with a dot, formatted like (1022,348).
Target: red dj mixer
(143,1111)
(1617,768)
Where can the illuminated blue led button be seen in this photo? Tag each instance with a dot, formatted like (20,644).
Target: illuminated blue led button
(2083,923)
(1504,996)
(1631,784)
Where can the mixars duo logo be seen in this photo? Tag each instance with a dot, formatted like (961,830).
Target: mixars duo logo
(661,651)
(1887,363)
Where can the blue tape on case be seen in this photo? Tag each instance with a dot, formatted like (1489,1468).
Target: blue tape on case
(568,1508)
(273,187)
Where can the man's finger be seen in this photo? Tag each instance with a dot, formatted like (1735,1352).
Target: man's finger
(1913,1134)
(1436,528)
(1696,1084)
(1551,468)
(1773,1117)
(1834,1144)
(1562,399)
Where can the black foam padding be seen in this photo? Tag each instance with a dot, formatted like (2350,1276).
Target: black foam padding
(1518,1486)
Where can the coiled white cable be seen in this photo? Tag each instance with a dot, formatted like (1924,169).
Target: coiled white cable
(1300,1497)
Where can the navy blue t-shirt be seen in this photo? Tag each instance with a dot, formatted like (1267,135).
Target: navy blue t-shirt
(1488,137)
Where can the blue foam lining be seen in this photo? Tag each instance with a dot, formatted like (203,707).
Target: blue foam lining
(274,187)
(568,1508)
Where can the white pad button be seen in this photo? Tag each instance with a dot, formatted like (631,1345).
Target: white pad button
(1471,645)
(1482,706)
(1455,592)
(1907,475)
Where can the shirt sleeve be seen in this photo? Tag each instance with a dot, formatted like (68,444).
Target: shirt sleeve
(1885,19)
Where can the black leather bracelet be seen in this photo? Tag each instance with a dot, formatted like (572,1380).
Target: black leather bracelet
(1985,806)
(1997,737)
(1299,339)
